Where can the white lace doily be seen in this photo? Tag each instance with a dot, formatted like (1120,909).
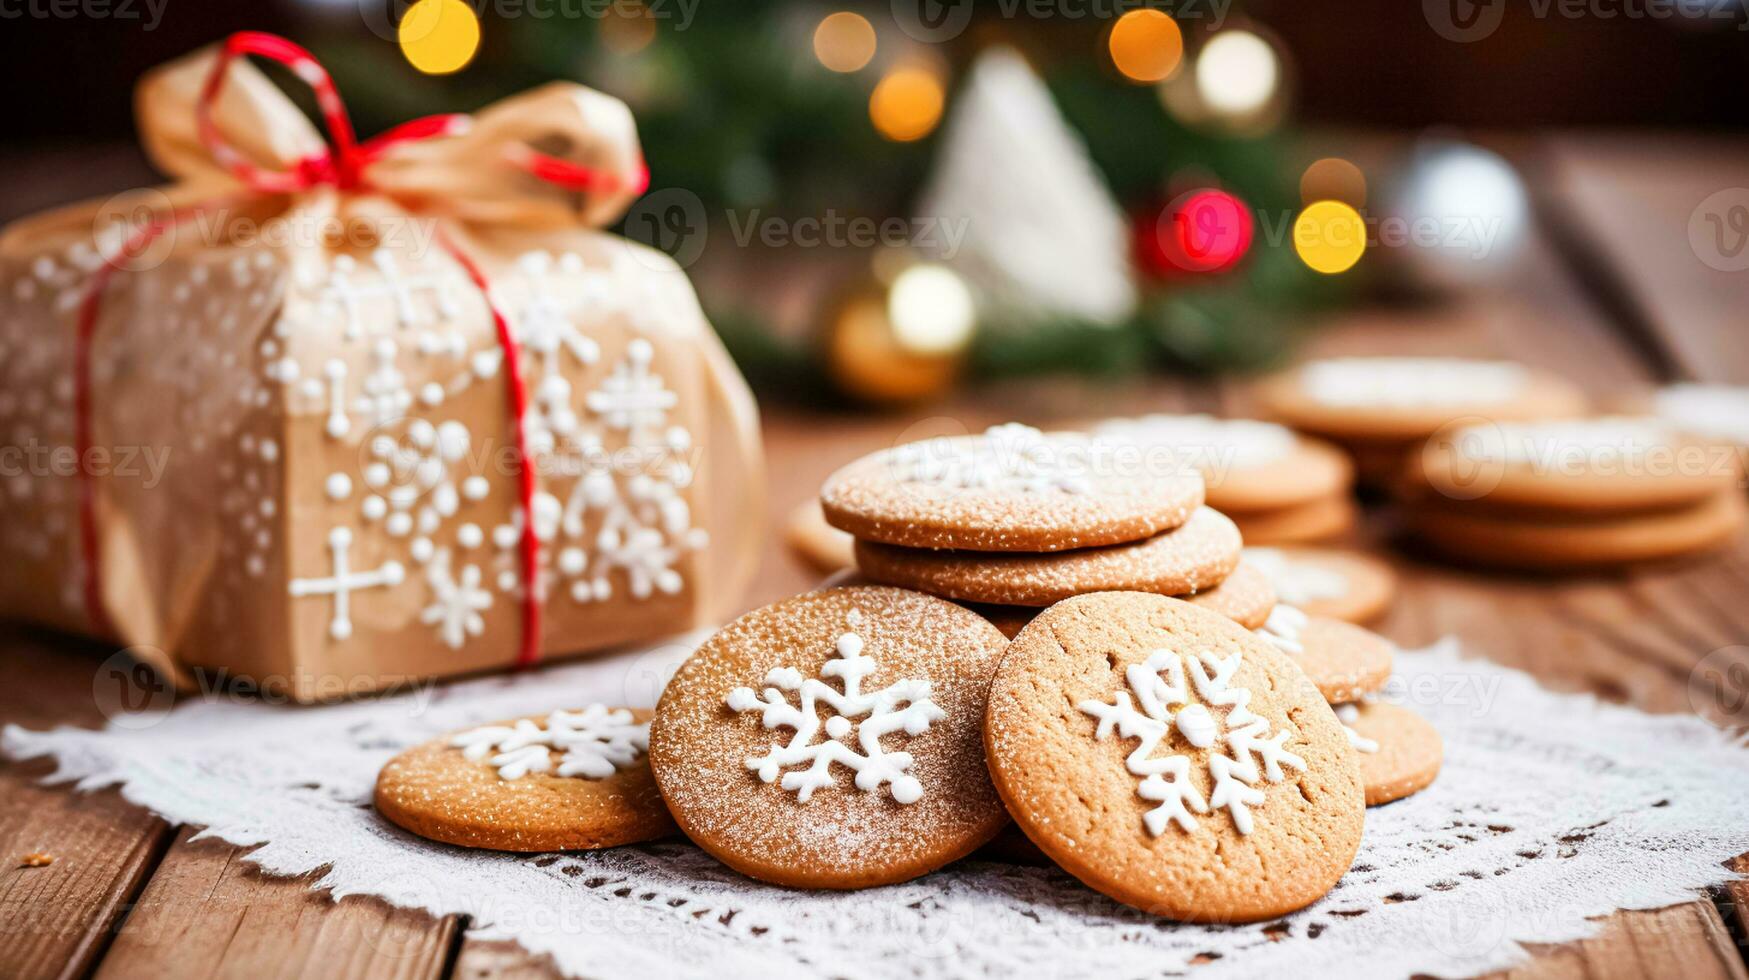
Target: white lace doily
(1551,809)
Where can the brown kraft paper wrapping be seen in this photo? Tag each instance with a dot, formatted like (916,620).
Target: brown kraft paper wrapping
(285,386)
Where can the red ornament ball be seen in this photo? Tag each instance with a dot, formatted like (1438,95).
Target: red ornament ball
(1202,231)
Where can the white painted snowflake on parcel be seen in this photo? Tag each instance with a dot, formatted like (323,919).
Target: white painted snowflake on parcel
(606,530)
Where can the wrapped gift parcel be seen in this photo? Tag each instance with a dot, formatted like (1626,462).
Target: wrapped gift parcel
(329,418)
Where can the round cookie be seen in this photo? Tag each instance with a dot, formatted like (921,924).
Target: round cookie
(1316,521)
(1386,398)
(1553,543)
(1204,550)
(1172,760)
(1400,751)
(568,780)
(881,781)
(1245,596)
(1343,661)
(1246,464)
(1012,488)
(1325,582)
(810,538)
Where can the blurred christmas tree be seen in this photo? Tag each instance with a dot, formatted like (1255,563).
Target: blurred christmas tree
(765,111)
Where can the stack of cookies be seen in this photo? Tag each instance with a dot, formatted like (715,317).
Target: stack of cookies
(1573,494)
(1380,409)
(1278,486)
(1399,752)
(1014,520)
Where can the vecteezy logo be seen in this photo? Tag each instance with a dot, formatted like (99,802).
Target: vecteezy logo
(1718,686)
(671,220)
(130,693)
(1718,230)
(1463,21)
(932,21)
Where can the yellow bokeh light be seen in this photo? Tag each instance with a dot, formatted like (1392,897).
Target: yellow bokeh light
(628,27)
(844,41)
(439,36)
(1146,45)
(1329,237)
(1333,179)
(906,105)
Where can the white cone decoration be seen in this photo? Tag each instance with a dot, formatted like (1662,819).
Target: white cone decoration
(1042,236)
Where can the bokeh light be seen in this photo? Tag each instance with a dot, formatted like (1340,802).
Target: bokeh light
(628,27)
(1237,73)
(1333,179)
(1329,237)
(844,42)
(1146,45)
(931,309)
(439,36)
(907,104)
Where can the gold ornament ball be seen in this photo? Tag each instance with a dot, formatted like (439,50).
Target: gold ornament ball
(902,343)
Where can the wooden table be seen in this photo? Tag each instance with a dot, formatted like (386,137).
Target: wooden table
(1608,291)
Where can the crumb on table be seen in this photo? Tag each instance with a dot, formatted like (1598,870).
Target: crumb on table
(36,859)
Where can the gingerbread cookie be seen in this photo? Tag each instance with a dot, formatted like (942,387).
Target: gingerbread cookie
(1400,752)
(1012,488)
(1203,551)
(1245,598)
(1325,582)
(568,780)
(1246,464)
(1555,543)
(1318,520)
(832,740)
(1172,760)
(810,538)
(1576,466)
(1343,661)
(1389,398)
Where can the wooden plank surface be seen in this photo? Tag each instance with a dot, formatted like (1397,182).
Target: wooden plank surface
(207,913)
(197,910)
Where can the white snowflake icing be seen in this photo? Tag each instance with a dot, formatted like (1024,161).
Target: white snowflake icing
(1297,582)
(1006,457)
(1283,628)
(1166,707)
(594,743)
(1348,714)
(457,602)
(902,705)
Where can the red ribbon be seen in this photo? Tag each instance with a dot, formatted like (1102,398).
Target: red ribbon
(342,166)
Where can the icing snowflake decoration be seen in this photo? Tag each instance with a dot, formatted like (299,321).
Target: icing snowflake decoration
(1168,714)
(1283,628)
(1006,457)
(902,705)
(457,602)
(593,743)
(1297,582)
(1348,714)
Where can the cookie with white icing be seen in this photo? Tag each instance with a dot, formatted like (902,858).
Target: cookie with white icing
(1173,760)
(1342,660)
(1246,464)
(1011,488)
(1386,398)
(1400,752)
(1195,556)
(1327,582)
(833,739)
(565,780)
